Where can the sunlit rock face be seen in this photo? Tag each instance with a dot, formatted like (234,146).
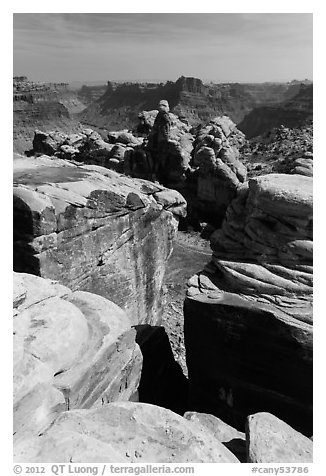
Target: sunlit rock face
(95,230)
(248,315)
(124,432)
(270,440)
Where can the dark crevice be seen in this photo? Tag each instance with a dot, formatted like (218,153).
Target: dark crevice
(162,380)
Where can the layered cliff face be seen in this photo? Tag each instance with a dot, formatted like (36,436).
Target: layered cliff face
(280,150)
(49,107)
(188,97)
(48,115)
(251,349)
(293,112)
(124,432)
(95,230)
(76,365)
(88,94)
(42,105)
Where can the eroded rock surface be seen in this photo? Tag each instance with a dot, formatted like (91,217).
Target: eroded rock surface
(71,350)
(178,151)
(270,440)
(95,230)
(220,172)
(248,315)
(280,150)
(124,432)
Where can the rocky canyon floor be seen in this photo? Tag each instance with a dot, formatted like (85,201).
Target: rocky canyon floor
(190,254)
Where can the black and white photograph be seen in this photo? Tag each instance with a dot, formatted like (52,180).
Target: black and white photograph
(162,241)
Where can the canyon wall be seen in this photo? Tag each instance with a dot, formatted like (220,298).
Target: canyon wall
(293,112)
(188,97)
(95,230)
(248,315)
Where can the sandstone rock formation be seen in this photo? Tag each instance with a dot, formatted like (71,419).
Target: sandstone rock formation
(270,440)
(178,153)
(188,97)
(124,432)
(220,172)
(95,230)
(71,350)
(254,300)
(232,439)
(292,112)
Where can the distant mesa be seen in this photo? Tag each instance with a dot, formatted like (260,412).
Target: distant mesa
(194,100)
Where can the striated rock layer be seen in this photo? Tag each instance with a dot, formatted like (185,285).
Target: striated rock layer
(248,316)
(95,230)
(71,350)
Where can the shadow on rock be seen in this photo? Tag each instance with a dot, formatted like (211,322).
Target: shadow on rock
(162,381)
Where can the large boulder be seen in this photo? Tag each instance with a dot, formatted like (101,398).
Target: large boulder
(232,439)
(124,432)
(220,172)
(178,151)
(71,350)
(254,300)
(95,230)
(270,440)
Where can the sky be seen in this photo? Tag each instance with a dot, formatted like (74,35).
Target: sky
(162,46)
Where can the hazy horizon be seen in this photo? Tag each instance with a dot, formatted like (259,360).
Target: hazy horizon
(221,47)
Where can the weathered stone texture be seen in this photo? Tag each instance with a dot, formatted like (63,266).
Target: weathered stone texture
(95,230)
(248,315)
(270,440)
(220,172)
(232,439)
(71,350)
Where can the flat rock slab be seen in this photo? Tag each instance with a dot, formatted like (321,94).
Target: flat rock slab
(271,440)
(124,432)
(95,230)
